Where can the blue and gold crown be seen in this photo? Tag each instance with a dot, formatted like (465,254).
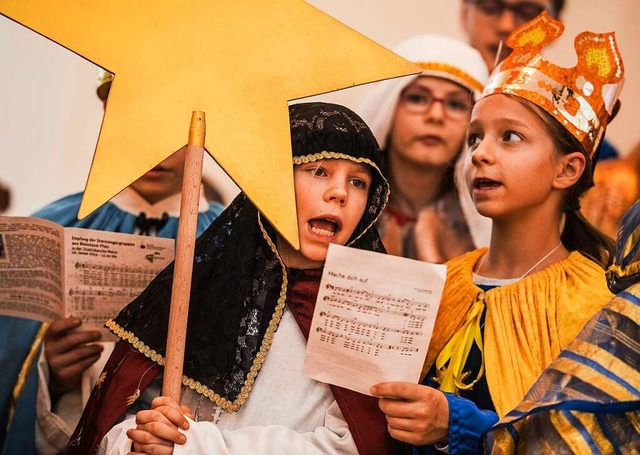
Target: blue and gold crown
(582,98)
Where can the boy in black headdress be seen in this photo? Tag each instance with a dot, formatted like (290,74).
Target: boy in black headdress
(239,372)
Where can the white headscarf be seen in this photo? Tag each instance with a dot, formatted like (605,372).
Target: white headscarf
(446,58)
(439,56)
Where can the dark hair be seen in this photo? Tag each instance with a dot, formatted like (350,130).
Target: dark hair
(557,7)
(577,234)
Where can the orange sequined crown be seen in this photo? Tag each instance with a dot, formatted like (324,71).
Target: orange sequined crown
(581,98)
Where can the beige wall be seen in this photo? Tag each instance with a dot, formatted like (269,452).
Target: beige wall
(50,116)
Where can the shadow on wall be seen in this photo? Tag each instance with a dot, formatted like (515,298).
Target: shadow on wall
(5,198)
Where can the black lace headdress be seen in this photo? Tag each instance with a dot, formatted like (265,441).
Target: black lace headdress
(239,283)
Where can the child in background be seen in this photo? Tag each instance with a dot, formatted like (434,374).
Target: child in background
(58,383)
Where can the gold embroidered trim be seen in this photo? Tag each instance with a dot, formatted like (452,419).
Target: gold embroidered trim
(623,271)
(24,371)
(130,338)
(100,380)
(261,356)
(452,70)
(633,267)
(297,160)
(324,155)
(132,399)
(157,358)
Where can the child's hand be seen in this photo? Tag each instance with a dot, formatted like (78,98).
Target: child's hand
(415,413)
(69,352)
(157,429)
(436,241)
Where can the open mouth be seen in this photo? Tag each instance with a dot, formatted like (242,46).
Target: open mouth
(324,227)
(431,139)
(485,184)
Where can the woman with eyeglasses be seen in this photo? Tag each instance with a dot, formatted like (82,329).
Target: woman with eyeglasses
(421,123)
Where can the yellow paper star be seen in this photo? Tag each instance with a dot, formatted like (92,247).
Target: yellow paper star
(239,61)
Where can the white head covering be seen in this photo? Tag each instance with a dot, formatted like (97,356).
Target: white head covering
(439,56)
(479,226)
(443,57)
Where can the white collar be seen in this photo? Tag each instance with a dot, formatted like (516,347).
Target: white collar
(480,280)
(130,201)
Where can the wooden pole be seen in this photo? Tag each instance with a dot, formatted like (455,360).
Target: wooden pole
(181,290)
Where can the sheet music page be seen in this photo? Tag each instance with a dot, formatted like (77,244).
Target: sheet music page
(105,271)
(31,268)
(373,318)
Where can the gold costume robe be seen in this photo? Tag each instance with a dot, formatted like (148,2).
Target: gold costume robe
(527,322)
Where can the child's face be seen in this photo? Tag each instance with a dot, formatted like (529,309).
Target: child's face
(430,122)
(164,180)
(513,158)
(331,196)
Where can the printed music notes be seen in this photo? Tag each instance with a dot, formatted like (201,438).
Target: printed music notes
(373,318)
(48,272)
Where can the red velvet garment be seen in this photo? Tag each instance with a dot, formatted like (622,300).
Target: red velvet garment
(366,421)
(128,370)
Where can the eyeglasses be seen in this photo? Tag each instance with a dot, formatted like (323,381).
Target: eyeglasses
(420,101)
(522,11)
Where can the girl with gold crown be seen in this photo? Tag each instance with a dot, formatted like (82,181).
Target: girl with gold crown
(509,310)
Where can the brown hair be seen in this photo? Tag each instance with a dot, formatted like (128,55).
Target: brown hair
(577,234)
(557,6)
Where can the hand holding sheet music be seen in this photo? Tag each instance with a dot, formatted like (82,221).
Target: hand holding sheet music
(373,318)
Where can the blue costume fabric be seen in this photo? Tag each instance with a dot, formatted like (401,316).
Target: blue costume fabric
(111,218)
(471,412)
(17,335)
(607,151)
(467,423)
(19,437)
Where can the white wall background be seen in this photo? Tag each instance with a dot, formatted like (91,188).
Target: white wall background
(50,116)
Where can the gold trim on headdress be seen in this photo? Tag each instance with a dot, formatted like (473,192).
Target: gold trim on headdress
(261,356)
(581,98)
(462,77)
(297,160)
